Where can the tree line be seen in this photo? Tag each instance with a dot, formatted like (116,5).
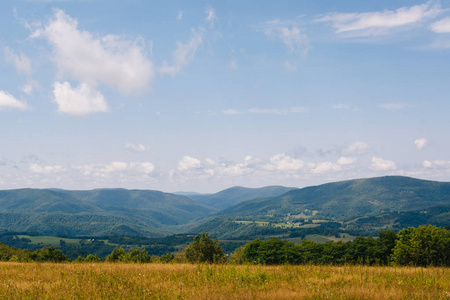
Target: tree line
(425,245)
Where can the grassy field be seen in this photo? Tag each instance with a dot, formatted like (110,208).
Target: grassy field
(186,281)
(55,241)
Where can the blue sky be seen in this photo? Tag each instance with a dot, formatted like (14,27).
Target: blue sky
(204,95)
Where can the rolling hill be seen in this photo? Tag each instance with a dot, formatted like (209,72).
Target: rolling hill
(347,199)
(370,204)
(96,212)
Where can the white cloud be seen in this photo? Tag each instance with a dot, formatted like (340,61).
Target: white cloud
(188,163)
(343,160)
(142,167)
(394,106)
(29,87)
(232,112)
(436,164)
(380,22)
(180,15)
(105,170)
(184,53)
(325,167)
(35,168)
(357,148)
(442,26)
(92,59)
(283,162)
(421,143)
(135,147)
(8,101)
(210,16)
(379,164)
(288,33)
(79,101)
(427,164)
(227,169)
(21,62)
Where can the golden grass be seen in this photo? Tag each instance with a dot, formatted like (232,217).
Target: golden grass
(186,281)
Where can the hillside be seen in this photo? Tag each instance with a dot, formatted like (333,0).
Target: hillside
(96,212)
(346,199)
(360,206)
(238,194)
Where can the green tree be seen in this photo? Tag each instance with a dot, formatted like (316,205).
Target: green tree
(426,245)
(117,255)
(137,255)
(92,258)
(50,254)
(204,249)
(166,258)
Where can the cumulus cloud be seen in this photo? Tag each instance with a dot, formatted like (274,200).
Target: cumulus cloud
(21,62)
(135,147)
(436,164)
(357,148)
(325,167)
(79,101)
(230,168)
(381,22)
(188,163)
(104,170)
(421,143)
(427,164)
(92,59)
(8,101)
(283,162)
(442,26)
(35,168)
(288,33)
(343,160)
(180,15)
(184,53)
(379,164)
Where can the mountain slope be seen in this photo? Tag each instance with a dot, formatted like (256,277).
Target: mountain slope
(238,194)
(345,199)
(96,212)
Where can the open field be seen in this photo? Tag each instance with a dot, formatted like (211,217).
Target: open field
(189,281)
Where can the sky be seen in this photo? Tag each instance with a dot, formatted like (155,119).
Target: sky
(205,95)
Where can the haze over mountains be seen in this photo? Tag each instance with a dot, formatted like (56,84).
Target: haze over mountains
(154,213)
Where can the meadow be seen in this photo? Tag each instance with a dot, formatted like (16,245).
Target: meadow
(202,281)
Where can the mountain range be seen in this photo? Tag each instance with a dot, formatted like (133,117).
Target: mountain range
(382,202)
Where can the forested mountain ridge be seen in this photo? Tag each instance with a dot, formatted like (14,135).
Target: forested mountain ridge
(96,212)
(341,200)
(370,204)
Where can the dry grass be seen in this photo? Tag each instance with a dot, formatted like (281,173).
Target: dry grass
(185,281)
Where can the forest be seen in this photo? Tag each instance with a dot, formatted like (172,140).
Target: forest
(424,246)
